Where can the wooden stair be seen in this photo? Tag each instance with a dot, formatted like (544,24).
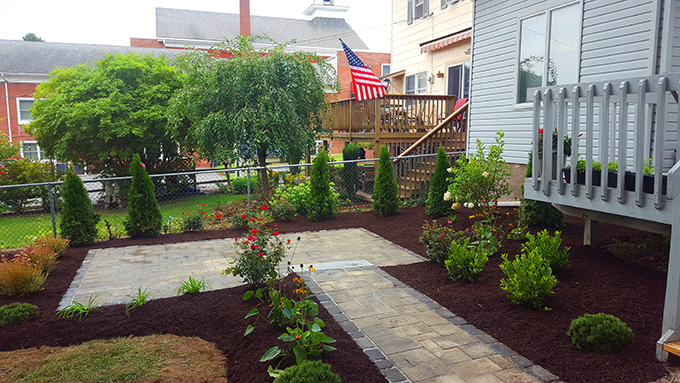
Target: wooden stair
(672,347)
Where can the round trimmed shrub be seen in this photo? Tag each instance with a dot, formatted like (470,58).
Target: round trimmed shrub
(78,220)
(308,372)
(600,333)
(436,206)
(14,313)
(386,191)
(321,204)
(144,216)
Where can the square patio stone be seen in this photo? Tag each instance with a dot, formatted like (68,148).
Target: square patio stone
(472,368)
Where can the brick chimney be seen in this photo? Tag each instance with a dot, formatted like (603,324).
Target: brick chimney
(244,17)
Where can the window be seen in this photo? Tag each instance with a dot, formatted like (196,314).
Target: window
(446,3)
(553,34)
(416,83)
(458,81)
(417,9)
(24,106)
(32,151)
(385,69)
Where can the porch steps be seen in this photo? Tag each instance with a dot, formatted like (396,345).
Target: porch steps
(672,347)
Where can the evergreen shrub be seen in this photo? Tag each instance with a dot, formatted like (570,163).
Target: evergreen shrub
(548,247)
(386,191)
(322,202)
(465,261)
(144,216)
(78,220)
(308,372)
(529,279)
(436,206)
(14,313)
(600,333)
(537,213)
(350,172)
(240,185)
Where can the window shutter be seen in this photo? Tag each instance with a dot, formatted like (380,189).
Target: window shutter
(409,12)
(426,8)
(445,4)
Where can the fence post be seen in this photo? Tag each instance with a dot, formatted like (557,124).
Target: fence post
(248,176)
(54,221)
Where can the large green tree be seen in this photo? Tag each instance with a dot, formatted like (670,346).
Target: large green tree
(255,104)
(32,37)
(102,114)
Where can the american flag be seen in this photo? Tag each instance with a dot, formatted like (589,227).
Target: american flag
(366,84)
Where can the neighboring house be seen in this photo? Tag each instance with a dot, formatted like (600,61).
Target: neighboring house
(605,73)
(177,29)
(431,47)
(25,64)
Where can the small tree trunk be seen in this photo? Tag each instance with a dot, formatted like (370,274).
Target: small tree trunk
(263,179)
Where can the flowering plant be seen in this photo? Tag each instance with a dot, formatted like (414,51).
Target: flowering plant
(259,254)
(567,143)
(240,218)
(283,211)
(437,240)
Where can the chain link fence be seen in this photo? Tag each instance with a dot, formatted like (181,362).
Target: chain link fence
(30,211)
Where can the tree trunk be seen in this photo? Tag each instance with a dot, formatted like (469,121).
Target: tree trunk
(263,180)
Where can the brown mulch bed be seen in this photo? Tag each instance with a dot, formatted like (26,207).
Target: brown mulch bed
(595,281)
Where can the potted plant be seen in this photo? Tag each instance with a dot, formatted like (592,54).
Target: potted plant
(648,178)
(581,172)
(567,151)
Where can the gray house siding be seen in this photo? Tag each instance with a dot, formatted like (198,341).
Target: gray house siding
(616,42)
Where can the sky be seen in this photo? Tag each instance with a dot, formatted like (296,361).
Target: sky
(114,22)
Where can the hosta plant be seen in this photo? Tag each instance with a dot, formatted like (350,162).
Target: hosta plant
(529,280)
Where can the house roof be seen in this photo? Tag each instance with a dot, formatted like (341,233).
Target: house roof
(30,57)
(320,32)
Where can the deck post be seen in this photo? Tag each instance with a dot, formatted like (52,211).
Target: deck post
(590,232)
(671,307)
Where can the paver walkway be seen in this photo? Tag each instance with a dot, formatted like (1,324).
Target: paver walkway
(410,337)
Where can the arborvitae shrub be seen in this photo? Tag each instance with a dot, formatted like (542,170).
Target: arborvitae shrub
(600,333)
(144,215)
(321,203)
(308,372)
(386,190)
(78,220)
(435,206)
(529,279)
(14,313)
(549,249)
(350,172)
(538,213)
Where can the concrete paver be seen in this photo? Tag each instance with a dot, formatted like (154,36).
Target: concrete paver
(407,335)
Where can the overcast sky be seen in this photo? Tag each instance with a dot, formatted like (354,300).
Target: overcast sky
(114,22)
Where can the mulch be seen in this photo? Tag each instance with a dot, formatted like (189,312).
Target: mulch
(595,281)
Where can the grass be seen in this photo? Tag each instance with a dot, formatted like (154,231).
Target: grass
(18,231)
(112,360)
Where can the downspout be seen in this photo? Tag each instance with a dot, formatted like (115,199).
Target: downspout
(9,120)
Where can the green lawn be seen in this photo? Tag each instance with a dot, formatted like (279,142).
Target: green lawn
(21,230)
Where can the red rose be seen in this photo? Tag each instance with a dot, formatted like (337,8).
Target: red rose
(254,231)
(243,216)
(260,254)
(253,247)
(250,219)
(275,233)
(263,208)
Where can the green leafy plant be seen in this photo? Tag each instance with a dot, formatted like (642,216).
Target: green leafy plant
(193,220)
(529,280)
(14,313)
(307,372)
(78,309)
(612,166)
(437,240)
(485,235)
(240,185)
(600,333)
(78,220)
(465,261)
(555,138)
(193,286)
(137,300)
(27,171)
(438,202)
(307,340)
(259,254)
(20,275)
(534,213)
(648,167)
(581,165)
(548,248)
(480,180)
(350,171)
(295,191)
(282,210)
(321,204)
(143,213)
(386,191)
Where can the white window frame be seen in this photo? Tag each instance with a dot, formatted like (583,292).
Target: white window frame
(19,100)
(412,6)
(416,76)
(446,3)
(21,150)
(382,69)
(546,49)
(462,74)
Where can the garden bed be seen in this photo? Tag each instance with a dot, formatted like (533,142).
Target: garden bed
(595,281)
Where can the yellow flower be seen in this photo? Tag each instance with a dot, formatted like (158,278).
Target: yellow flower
(311,268)
(297,279)
(471,217)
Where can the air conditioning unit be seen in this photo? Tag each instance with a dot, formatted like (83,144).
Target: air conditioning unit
(430,78)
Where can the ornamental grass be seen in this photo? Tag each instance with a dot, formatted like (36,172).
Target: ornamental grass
(20,275)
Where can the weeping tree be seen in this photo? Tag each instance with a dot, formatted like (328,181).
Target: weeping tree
(255,104)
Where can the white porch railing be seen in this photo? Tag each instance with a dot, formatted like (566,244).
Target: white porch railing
(626,122)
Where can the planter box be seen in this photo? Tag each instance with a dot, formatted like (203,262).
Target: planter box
(628,182)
